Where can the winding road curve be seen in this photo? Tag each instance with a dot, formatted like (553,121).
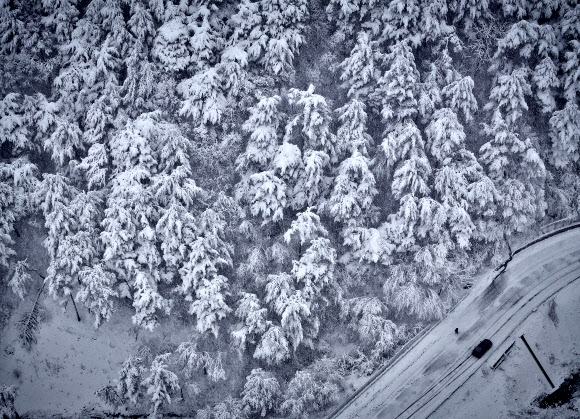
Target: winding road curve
(434,366)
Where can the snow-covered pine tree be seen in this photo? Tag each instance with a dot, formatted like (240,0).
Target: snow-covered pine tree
(366,317)
(314,272)
(262,126)
(565,136)
(467,12)
(128,384)
(455,169)
(518,173)
(307,226)
(176,192)
(254,319)
(7,218)
(400,22)
(283,22)
(203,97)
(261,392)
(545,78)
(273,347)
(96,292)
(460,97)
(348,14)
(353,191)
(201,282)
(352,133)
(61,16)
(508,95)
(161,383)
(57,194)
(571,69)
(147,301)
(359,69)
(13,127)
(171,45)
(308,393)
(313,119)
(397,88)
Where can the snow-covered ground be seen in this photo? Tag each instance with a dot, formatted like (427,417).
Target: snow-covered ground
(71,360)
(438,376)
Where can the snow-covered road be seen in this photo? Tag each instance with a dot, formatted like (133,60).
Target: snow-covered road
(440,362)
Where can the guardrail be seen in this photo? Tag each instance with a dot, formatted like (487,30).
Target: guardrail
(548,230)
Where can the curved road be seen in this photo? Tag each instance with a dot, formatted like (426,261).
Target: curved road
(431,369)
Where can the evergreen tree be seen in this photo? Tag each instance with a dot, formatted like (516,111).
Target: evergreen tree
(61,16)
(273,347)
(545,78)
(171,45)
(353,192)
(359,70)
(469,11)
(508,95)
(201,282)
(572,71)
(262,125)
(308,393)
(266,196)
(565,135)
(461,98)
(161,383)
(400,20)
(518,173)
(352,133)
(13,127)
(128,384)
(147,301)
(253,317)
(261,392)
(398,86)
(204,100)
(313,118)
(365,316)
(307,226)
(283,22)
(96,292)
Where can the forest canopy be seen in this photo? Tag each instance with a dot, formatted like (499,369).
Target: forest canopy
(280,177)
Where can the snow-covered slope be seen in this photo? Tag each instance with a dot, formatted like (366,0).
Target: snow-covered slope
(432,370)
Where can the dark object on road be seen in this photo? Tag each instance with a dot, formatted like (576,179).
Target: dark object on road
(482,348)
(456,331)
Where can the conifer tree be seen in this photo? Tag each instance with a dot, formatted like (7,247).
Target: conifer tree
(201,282)
(254,320)
(13,127)
(359,70)
(401,22)
(565,135)
(545,78)
(283,22)
(273,347)
(508,95)
(96,292)
(398,85)
(353,191)
(261,392)
(129,381)
(262,125)
(171,45)
(161,383)
(518,173)
(461,98)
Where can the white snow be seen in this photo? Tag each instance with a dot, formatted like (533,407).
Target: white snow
(433,369)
